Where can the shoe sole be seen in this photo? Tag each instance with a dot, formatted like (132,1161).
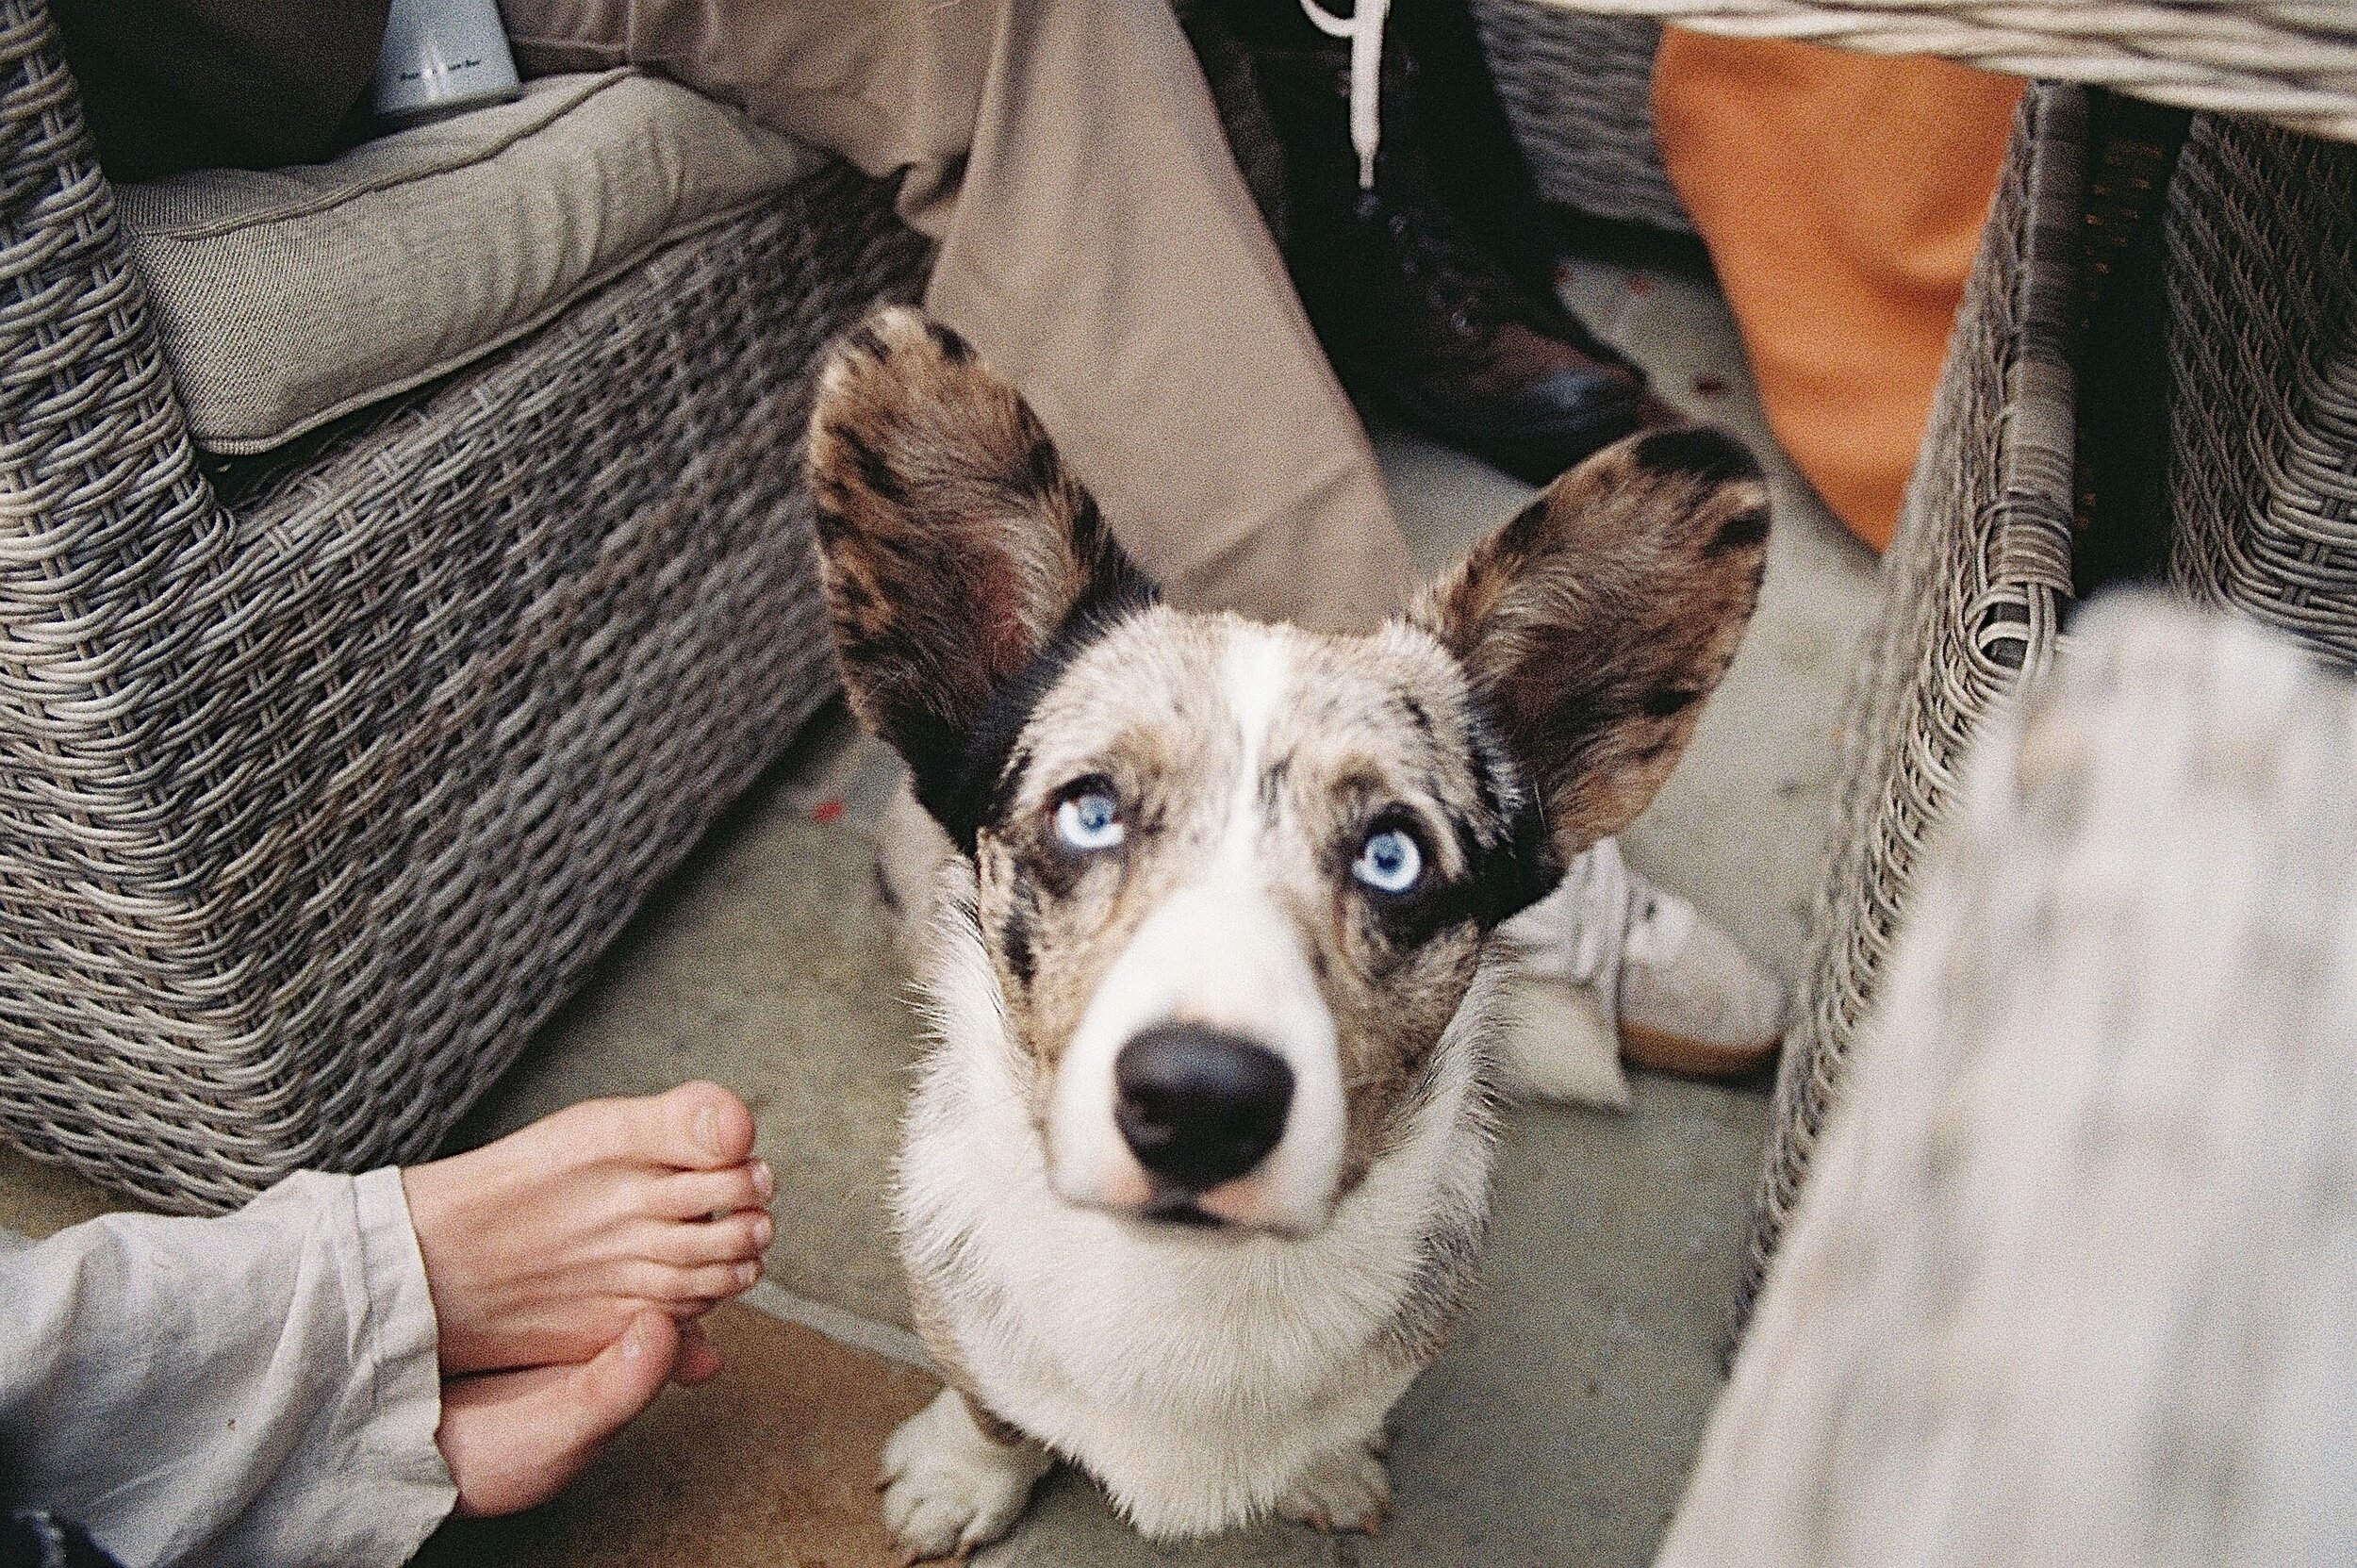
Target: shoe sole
(1676,1053)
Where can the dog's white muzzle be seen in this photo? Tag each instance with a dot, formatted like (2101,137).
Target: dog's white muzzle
(1211,982)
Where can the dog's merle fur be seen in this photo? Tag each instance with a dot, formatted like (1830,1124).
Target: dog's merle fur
(1529,702)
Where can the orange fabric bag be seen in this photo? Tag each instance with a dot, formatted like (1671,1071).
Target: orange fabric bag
(1841,197)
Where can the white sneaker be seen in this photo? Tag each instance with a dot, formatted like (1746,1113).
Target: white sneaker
(1682,997)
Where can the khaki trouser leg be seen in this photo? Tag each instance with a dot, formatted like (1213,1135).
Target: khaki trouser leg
(1096,244)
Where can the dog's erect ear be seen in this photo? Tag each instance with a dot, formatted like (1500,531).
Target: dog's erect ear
(954,545)
(1594,624)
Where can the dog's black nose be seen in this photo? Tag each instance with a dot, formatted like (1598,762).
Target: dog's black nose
(1198,1107)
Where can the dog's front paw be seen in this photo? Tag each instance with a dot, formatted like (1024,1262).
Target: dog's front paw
(1348,1490)
(949,1487)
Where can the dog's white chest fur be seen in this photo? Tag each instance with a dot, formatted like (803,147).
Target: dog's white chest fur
(1196,1375)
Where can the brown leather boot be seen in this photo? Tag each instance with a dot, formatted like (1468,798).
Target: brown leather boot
(1438,313)
(1429,328)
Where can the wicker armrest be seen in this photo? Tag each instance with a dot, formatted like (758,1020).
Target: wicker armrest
(1973,591)
(94,438)
(2290,61)
(111,541)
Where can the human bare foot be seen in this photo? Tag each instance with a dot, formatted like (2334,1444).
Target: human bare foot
(513,1440)
(542,1247)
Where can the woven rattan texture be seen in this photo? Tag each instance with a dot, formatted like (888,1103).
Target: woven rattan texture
(1578,90)
(314,811)
(2263,384)
(1972,591)
(2291,61)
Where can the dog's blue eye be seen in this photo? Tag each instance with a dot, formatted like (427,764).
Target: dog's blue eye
(1090,820)
(1389,862)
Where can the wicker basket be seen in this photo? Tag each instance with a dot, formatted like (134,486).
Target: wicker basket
(1972,592)
(1578,92)
(317,805)
(2263,378)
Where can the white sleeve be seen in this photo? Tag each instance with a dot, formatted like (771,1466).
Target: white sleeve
(259,1390)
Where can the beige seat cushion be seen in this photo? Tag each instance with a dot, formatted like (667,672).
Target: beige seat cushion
(289,297)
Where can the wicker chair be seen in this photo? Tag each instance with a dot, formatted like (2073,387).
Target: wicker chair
(2257,501)
(323,776)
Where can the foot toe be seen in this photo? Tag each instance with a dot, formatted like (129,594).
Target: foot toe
(698,1194)
(714,1281)
(698,1126)
(711,1123)
(622,1380)
(672,1287)
(693,1243)
(513,1440)
(699,1362)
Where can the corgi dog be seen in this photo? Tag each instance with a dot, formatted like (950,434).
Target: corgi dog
(1194,1177)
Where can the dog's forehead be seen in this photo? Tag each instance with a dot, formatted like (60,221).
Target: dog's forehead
(1191,688)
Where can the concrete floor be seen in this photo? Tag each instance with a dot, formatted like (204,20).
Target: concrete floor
(1558,1427)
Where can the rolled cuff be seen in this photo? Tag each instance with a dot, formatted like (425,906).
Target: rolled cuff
(366,1484)
(399,1487)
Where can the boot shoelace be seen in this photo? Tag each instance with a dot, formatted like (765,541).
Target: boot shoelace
(1455,280)
(1363,27)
